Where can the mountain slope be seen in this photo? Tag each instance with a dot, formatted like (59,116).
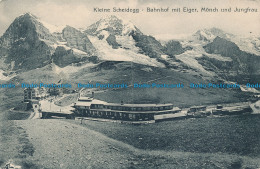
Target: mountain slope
(219,54)
(121,53)
(243,64)
(113,25)
(249,44)
(77,39)
(207,35)
(118,40)
(120,37)
(73,47)
(29,40)
(28,44)
(26,41)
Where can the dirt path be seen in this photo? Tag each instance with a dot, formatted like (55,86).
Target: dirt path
(15,146)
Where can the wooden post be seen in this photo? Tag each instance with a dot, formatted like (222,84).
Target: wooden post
(81,121)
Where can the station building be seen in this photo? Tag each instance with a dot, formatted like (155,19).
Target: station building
(89,107)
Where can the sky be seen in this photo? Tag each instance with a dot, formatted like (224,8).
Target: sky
(80,14)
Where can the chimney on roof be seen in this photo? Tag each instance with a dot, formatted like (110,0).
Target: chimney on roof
(122,102)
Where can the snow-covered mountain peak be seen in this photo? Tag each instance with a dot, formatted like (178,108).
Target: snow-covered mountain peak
(215,31)
(112,24)
(112,18)
(37,20)
(210,34)
(27,15)
(26,26)
(52,28)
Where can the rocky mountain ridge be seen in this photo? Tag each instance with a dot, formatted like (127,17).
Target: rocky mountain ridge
(29,43)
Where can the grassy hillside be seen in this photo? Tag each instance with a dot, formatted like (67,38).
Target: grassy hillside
(226,142)
(231,135)
(126,73)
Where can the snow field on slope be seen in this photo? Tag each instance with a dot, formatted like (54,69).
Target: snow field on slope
(106,52)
